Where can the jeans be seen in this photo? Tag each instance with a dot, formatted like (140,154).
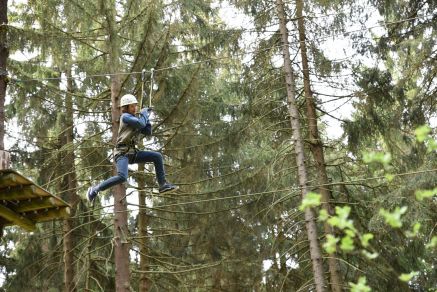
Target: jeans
(122,168)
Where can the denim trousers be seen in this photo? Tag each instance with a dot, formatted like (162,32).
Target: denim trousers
(122,168)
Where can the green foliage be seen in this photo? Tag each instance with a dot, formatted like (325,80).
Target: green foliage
(424,194)
(382,158)
(331,243)
(415,231)
(341,219)
(408,277)
(393,218)
(224,130)
(323,215)
(432,243)
(310,200)
(366,238)
(369,255)
(360,286)
(347,243)
(422,133)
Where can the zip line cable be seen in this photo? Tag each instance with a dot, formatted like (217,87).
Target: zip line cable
(290,190)
(217,58)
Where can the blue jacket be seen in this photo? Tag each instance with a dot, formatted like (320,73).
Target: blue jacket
(130,127)
(142,123)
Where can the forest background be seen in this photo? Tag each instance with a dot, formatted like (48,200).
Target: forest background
(302,135)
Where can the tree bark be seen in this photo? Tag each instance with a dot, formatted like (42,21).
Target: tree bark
(142,229)
(71,187)
(316,145)
(73,198)
(4,54)
(310,222)
(121,249)
(70,179)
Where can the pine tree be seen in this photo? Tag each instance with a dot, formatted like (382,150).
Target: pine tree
(4,53)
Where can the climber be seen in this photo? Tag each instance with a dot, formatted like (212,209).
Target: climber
(126,152)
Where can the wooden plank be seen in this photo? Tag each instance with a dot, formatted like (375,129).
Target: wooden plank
(18,193)
(40,191)
(8,179)
(17,219)
(49,214)
(35,204)
(11,179)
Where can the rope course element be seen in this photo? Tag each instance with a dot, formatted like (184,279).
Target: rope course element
(13,80)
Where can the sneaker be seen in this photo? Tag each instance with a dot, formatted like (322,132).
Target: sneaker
(167,188)
(91,194)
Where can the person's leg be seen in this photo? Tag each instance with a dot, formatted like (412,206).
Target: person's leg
(121,177)
(156,158)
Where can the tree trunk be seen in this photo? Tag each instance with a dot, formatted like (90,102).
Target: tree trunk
(71,187)
(4,54)
(121,249)
(70,180)
(310,222)
(142,229)
(316,145)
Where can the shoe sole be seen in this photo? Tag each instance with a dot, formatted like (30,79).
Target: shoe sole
(169,191)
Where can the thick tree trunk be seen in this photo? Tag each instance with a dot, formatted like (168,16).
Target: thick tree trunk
(310,221)
(142,230)
(316,145)
(70,180)
(71,189)
(4,54)
(121,249)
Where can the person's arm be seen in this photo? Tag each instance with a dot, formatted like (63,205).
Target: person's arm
(133,121)
(147,130)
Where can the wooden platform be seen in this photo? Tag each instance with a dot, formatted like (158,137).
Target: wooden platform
(24,203)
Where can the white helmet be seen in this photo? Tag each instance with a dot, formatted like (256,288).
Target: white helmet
(127,99)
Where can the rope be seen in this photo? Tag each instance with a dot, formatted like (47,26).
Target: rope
(152,71)
(220,58)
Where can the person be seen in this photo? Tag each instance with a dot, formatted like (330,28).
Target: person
(126,152)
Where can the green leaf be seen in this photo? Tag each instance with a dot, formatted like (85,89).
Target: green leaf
(366,238)
(347,244)
(330,244)
(383,158)
(350,233)
(370,256)
(411,93)
(415,231)
(323,215)
(408,277)
(432,145)
(334,221)
(432,243)
(425,194)
(361,286)
(389,177)
(422,133)
(310,200)
(341,219)
(393,219)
